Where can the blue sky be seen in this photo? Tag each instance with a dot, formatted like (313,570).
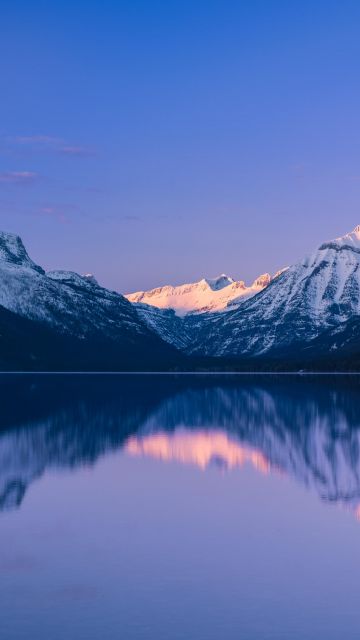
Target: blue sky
(160,142)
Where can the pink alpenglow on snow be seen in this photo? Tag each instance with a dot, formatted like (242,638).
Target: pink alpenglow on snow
(209,294)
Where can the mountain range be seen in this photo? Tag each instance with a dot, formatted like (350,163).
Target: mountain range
(306,316)
(209,294)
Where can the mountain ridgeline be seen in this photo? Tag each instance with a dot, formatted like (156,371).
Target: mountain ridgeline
(306,317)
(60,320)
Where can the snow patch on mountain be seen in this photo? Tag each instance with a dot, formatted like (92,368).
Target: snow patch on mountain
(74,279)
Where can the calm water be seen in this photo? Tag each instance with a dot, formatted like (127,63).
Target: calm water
(187,508)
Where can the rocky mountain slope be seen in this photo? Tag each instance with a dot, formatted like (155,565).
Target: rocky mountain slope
(55,313)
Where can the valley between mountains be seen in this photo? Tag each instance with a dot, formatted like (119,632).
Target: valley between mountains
(304,317)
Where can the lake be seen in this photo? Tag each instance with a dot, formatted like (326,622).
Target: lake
(176,507)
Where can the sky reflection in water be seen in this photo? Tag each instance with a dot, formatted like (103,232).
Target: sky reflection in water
(179,507)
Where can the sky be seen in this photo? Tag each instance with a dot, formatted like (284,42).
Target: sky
(152,142)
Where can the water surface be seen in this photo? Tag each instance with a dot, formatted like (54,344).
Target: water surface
(179,507)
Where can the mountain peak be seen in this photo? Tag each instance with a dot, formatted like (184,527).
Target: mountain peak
(219,283)
(12,251)
(262,281)
(90,278)
(351,239)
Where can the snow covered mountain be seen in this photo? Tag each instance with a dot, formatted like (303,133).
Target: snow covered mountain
(208,294)
(304,310)
(316,294)
(70,306)
(308,313)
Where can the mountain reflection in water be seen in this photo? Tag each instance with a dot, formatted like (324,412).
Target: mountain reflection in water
(305,427)
(202,448)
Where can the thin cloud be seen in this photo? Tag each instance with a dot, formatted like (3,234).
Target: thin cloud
(299,170)
(55,213)
(47,140)
(131,218)
(18,564)
(18,177)
(54,144)
(76,151)
(76,592)
(94,190)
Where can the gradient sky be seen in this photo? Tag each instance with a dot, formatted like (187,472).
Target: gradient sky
(154,142)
